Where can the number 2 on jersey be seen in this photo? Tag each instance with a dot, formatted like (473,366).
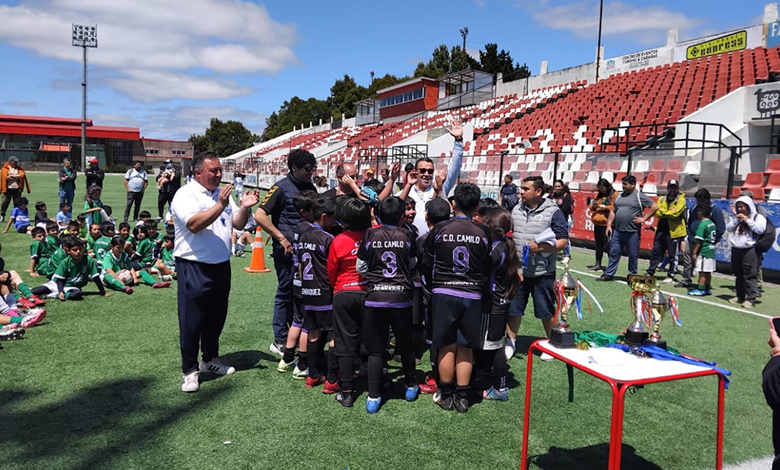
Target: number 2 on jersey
(306,258)
(460,260)
(388,257)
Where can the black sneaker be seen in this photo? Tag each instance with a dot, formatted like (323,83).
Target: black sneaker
(345,398)
(684,284)
(446,403)
(604,277)
(462,405)
(595,267)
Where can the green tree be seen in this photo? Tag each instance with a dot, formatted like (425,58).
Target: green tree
(296,113)
(224,138)
(343,95)
(438,66)
(456,60)
(495,62)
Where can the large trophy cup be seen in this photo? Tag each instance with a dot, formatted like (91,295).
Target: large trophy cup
(567,289)
(637,333)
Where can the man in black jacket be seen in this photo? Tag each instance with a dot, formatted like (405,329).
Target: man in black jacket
(772,392)
(168,182)
(94,174)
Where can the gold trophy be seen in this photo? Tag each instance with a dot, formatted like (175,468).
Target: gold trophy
(637,333)
(660,307)
(567,291)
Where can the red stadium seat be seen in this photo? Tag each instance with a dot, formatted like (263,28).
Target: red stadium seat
(669,177)
(774,166)
(586,166)
(774,180)
(753,180)
(614,166)
(658,166)
(654,177)
(601,166)
(675,166)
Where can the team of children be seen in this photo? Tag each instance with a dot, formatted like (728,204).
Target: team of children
(449,289)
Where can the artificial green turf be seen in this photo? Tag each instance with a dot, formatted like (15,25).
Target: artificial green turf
(97,386)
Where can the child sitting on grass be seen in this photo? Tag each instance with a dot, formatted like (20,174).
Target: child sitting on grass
(64,216)
(94,235)
(115,261)
(166,265)
(39,254)
(52,236)
(155,237)
(93,207)
(20,217)
(144,250)
(41,216)
(103,244)
(143,216)
(72,229)
(81,219)
(72,274)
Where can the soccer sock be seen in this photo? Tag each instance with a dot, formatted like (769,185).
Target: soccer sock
(73,295)
(303,360)
(113,282)
(41,290)
(289,355)
(333,367)
(314,352)
(446,388)
(346,366)
(462,391)
(24,289)
(146,277)
(434,362)
(374,376)
(16,319)
(708,287)
(499,369)
(10,300)
(701,287)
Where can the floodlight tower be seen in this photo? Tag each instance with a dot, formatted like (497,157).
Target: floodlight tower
(464,32)
(84,37)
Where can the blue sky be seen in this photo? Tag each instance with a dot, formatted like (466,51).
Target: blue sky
(167,66)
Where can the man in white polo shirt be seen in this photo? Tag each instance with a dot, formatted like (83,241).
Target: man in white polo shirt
(204,216)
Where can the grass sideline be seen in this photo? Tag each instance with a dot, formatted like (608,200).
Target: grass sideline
(97,386)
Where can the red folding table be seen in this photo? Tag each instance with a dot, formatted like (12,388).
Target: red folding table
(621,373)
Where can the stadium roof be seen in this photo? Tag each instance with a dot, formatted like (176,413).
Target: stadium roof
(63,127)
(406,83)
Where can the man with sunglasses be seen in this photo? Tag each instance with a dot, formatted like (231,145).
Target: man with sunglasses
(278,204)
(420,181)
(343,189)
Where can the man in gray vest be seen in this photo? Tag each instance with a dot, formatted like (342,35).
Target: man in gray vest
(534,217)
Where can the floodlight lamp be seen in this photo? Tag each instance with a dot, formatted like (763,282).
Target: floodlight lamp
(84,36)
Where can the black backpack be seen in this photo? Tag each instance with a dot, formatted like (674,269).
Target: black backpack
(766,239)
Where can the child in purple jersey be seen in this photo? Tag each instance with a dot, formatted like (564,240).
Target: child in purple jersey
(297,336)
(457,253)
(387,257)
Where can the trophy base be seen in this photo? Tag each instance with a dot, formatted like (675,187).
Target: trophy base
(636,338)
(655,342)
(562,339)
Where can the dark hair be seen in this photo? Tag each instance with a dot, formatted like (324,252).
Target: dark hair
(52,226)
(322,206)
(68,241)
(146,214)
(537,181)
(300,158)
(704,209)
(139,229)
(37,231)
(169,238)
(151,223)
(197,162)
(409,167)
(73,223)
(81,216)
(22,201)
(565,186)
(500,223)
(353,214)
(410,201)
(423,159)
(391,210)
(122,225)
(467,196)
(117,241)
(603,182)
(40,205)
(702,195)
(93,224)
(374,184)
(76,242)
(64,205)
(108,210)
(487,204)
(630,179)
(304,200)
(106,226)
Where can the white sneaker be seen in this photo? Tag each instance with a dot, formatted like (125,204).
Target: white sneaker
(190,383)
(215,366)
(668,280)
(546,357)
(437,396)
(509,350)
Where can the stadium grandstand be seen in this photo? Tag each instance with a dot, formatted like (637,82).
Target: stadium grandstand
(705,112)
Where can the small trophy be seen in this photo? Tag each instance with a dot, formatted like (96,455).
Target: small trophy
(636,334)
(660,307)
(567,290)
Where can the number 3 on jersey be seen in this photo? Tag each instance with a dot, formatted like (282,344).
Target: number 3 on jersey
(388,257)
(460,260)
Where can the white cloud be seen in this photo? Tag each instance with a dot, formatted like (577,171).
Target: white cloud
(646,24)
(171,38)
(181,122)
(21,104)
(479,3)
(152,85)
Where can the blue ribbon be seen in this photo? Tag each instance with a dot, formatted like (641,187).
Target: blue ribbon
(526,254)
(662,354)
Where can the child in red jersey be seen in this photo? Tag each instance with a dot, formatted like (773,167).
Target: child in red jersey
(348,290)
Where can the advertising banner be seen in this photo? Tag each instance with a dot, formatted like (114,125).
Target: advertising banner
(773,34)
(639,60)
(730,41)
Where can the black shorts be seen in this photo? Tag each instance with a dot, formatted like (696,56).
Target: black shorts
(22,229)
(376,326)
(347,321)
(543,291)
(493,326)
(418,311)
(455,320)
(317,319)
(298,312)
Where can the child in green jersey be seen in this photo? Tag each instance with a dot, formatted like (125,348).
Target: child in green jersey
(103,244)
(166,265)
(704,252)
(39,254)
(72,274)
(94,234)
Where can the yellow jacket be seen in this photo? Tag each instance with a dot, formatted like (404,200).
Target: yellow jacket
(674,215)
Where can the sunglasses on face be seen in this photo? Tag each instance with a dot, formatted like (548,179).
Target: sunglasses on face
(309,168)
(422,171)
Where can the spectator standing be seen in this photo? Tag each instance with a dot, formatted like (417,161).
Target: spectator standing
(702,198)
(562,197)
(168,182)
(745,227)
(204,215)
(600,207)
(626,219)
(671,230)
(771,376)
(13,181)
(136,181)
(509,194)
(67,177)
(278,217)
(94,174)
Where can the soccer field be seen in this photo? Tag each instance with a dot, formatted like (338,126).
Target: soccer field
(96,386)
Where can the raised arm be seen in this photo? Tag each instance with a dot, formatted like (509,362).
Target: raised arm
(453,170)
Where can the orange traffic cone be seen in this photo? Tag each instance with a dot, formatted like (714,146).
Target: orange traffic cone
(258,255)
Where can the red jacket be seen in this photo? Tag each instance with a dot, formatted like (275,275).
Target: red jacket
(341,262)
(23,183)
